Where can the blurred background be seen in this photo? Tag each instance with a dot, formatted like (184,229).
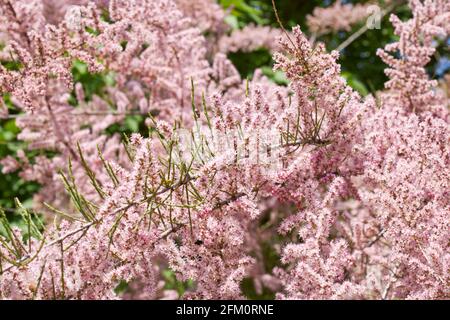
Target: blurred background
(360,65)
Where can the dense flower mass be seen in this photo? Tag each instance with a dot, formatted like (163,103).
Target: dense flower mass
(349,193)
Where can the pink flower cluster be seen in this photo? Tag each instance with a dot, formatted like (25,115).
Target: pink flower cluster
(337,17)
(251,38)
(409,83)
(356,207)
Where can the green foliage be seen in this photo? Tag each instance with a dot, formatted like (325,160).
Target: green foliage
(276,76)
(132,123)
(359,61)
(121,287)
(28,221)
(354,82)
(246,63)
(245,11)
(93,83)
(271,259)
(11,65)
(171,282)
(11,185)
(248,288)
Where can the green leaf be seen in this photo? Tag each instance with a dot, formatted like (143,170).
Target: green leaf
(355,83)
(232,21)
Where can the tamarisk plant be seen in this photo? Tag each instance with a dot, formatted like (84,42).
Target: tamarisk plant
(351,197)
(142,53)
(408,79)
(164,206)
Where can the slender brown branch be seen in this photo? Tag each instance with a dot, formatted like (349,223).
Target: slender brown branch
(281,23)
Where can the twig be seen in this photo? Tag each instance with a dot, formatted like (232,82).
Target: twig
(378,237)
(281,24)
(389,285)
(363,29)
(58,133)
(229,200)
(62,238)
(59,240)
(142,201)
(166,233)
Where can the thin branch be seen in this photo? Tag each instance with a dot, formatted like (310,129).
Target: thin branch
(144,200)
(71,233)
(166,233)
(281,24)
(229,200)
(378,237)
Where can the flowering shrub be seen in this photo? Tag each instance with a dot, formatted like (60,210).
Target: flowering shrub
(349,193)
